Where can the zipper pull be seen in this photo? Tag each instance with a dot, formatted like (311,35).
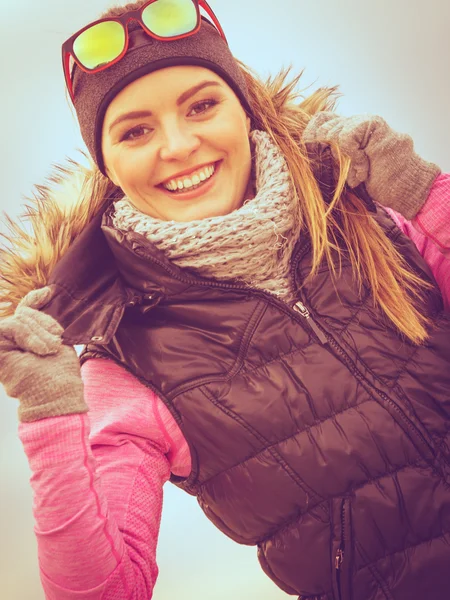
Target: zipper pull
(339,559)
(301,308)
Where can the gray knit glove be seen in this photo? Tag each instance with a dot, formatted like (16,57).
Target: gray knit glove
(384,160)
(35,366)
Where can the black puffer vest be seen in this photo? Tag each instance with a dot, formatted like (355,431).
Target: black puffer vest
(316,432)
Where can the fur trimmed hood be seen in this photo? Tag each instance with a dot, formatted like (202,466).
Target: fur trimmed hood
(54,216)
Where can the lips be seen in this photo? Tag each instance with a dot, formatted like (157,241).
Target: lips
(192,194)
(187,172)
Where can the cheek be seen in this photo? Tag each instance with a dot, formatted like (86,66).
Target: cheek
(231,130)
(134,170)
(236,142)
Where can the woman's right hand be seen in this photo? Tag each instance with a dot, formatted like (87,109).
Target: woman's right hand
(35,366)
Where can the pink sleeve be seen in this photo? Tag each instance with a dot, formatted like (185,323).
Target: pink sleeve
(97,479)
(430,232)
(433,220)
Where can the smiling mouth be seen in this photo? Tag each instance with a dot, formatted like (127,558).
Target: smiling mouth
(190,183)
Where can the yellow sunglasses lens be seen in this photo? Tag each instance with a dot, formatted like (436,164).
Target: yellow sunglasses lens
(100,44)
(170,18)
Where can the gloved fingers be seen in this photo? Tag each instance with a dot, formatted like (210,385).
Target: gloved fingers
(37,298)
(345,132)
(7,346)
(366,126)
(32,331)
(326,126)
(321,118)
(352,137)
(40,333)
(351,132)
(20,337)
(39,320)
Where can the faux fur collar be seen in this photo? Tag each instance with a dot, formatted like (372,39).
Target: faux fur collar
(54,216)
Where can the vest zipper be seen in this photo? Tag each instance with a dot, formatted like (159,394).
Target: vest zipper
(339,558)
(301,308)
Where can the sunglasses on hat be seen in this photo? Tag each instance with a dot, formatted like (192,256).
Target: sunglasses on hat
(104,42)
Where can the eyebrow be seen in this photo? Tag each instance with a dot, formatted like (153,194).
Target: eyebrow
(139,114)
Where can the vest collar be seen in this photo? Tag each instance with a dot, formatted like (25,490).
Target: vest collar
(103,272)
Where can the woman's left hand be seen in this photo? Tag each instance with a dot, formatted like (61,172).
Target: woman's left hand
(384,160)
(36,367)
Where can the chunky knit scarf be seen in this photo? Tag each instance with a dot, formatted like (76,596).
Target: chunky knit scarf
(251,245)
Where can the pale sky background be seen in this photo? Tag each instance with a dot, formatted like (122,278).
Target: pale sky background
(390,57)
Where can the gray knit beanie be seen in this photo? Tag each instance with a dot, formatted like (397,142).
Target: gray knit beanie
(94,91)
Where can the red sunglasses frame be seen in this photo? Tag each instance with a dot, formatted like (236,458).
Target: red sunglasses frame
(132,15)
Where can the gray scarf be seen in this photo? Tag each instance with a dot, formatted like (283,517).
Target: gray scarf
(251,245)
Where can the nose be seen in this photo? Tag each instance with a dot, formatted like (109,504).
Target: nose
(178,143)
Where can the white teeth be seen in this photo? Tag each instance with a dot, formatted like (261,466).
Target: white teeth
(188,182)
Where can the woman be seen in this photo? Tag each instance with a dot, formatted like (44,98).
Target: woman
(255,331)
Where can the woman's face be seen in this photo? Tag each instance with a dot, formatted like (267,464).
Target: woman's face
(176,129)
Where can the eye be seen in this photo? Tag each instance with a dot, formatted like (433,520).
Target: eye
(200,106)
(134,134)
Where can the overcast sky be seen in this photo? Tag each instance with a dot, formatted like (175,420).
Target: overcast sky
(390,57)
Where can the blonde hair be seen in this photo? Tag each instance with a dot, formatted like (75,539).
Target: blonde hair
(344,225)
